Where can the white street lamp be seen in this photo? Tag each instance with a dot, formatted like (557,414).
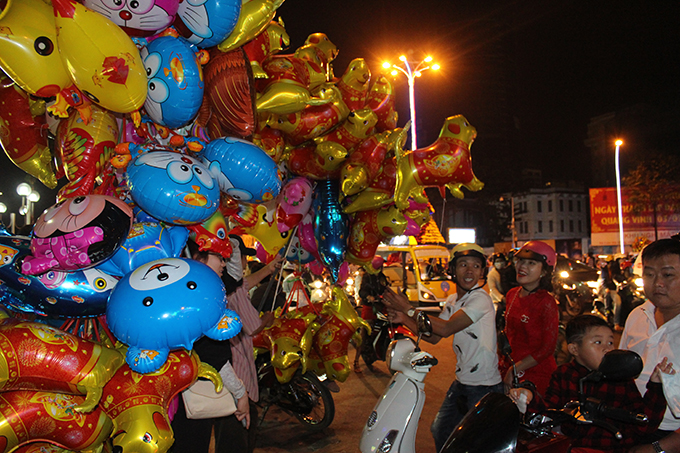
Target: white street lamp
(618,194)
(411,75)
(28,197)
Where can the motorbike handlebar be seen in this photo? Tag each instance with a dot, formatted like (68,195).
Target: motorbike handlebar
(426,361)
(615,413)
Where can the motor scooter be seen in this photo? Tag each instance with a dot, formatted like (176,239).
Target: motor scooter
(383,332)
(535,433)
(393,423)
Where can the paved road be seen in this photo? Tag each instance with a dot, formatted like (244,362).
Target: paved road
(353,404)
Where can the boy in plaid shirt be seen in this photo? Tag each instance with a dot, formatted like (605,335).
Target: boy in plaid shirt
(589,338)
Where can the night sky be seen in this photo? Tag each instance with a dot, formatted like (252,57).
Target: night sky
(547,66)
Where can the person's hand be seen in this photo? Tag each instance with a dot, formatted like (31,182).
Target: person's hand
(267,318)
(396,317)
(663,367)
(397,302)
(243,410)
(275,264)
(515,395)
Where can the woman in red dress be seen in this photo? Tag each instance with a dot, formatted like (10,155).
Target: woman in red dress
(532,317)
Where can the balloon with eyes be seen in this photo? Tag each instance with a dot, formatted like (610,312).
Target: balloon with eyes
(77,233)
(175,81)
(173,187)
(147,241)
(207,23)
(211,235)
(354,84)
(369,228)
(135,17)
(54,293)
(168,304)
(244,172)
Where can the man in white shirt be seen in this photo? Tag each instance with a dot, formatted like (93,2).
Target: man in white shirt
(653,330)
(470,314)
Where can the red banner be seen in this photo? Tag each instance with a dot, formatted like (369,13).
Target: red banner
(604,219)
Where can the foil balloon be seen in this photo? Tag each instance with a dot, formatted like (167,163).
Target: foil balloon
(272,40)
(137,18)
(297,253)
(312,121)
(211,235)
(332,226)
(331,341)
(23,132)
(417,215)
(381,100)
(245,172)
(173,187)
(70,430)
(101,59)
(271,141)
(28,48)
(354,84)
(207,23)
(295,201)
(305,234)
(304,161)
(39,357)
(369,228)
(266,231)
(379,193)
(146,242)
(447,162)
(175,81)
(53,293)
(229,103)
(168,304)
(254,18)
(291,342)
(84,149)
(77,233)
(363,165)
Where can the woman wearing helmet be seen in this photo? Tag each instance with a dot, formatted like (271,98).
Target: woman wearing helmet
(471,312)
(531,317)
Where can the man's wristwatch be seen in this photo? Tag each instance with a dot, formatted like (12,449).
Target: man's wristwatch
(411,312)
(657,447)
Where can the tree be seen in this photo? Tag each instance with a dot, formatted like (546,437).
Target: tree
(653,185)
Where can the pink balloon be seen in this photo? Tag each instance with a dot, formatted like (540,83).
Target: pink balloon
(295,201)
(343,273)
(306,236)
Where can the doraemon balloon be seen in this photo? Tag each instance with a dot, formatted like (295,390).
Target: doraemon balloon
(208,22)
(77,233)
(175,81)
(168,304)
(54,293)
(137,17)
(245,172)
(146,242)
(173,187)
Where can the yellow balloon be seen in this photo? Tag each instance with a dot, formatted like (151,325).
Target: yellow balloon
(102,60)
(28,48)
(266,232)
(254,18)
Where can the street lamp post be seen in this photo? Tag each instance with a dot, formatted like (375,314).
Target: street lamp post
(28,197)
(411,74)
(618,195)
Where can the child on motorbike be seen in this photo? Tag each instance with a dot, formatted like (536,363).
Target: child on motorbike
(589,338)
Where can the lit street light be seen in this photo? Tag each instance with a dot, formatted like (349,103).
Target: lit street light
(28,197)
(618,194)
(411,75)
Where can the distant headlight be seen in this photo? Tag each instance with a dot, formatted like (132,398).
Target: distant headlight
(592,284)
(564,274)
(639,282)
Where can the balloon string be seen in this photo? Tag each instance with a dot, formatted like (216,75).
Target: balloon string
(278,280)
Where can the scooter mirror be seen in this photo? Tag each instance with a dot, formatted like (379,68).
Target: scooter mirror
(620,364)
(424,324)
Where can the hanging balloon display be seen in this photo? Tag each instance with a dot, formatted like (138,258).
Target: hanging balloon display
(332,226)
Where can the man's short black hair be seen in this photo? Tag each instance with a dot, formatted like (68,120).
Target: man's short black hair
(660,248)
(579,326)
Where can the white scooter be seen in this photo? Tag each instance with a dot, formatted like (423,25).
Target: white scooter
(393,424)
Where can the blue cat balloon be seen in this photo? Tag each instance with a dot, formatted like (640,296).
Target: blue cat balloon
(78,294)
(174,81)
(209,21)
(244,171)
(168,304)
(173,187)
(146,242)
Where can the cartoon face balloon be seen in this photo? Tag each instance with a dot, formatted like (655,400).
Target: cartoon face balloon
(137,17)
(168,304)
(246,172)
(175,81)
(173,187)
(208,22)
(54,293)
(146,242)
(77,233)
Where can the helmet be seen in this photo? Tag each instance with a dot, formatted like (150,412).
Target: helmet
(539,251)
(498,256)
(467,249)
